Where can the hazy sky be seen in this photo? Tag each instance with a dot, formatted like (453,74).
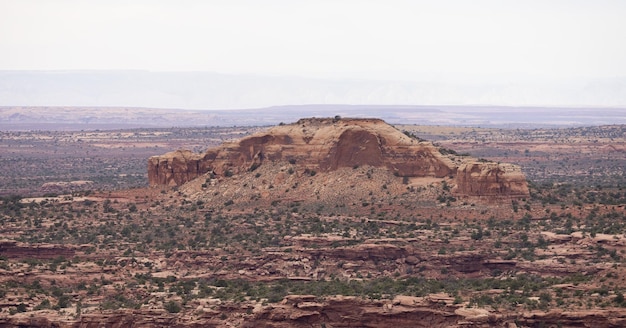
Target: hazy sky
(389,39)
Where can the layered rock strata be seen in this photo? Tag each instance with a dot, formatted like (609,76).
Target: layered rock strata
(434,310)
(12,249)
(328,144)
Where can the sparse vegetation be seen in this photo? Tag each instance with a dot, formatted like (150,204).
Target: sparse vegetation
(372,235)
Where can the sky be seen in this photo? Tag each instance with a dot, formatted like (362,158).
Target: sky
(446,41)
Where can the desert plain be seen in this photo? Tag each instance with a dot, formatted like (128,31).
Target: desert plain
(88,238)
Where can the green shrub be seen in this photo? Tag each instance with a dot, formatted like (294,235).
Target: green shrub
(172,307)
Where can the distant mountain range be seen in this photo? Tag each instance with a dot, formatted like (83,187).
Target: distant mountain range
(205,90)
(91,118)
(117,99)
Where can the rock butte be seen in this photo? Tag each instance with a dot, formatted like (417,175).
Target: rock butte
(326,144)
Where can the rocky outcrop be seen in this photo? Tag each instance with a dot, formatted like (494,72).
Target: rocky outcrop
(328,144)
(12,249)
(175,168)
(346,311)
(119,318)
(589,318)
(362,252)
(490,179)
(434,310)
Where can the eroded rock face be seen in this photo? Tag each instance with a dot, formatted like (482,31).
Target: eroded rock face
(174,168)
(434,310)
(328,144)
(490,179)
(13,249)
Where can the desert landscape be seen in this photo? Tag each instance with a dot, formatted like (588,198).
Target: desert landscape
(323,222)
(312,164)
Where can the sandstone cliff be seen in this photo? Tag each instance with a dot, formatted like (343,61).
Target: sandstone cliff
(174,168)
(490,179)
(328,144)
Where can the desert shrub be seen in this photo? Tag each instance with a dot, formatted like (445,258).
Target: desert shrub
(172,307)
(254,166)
